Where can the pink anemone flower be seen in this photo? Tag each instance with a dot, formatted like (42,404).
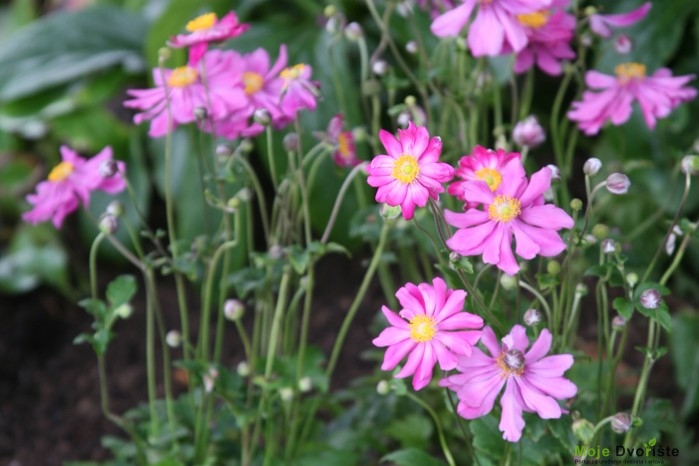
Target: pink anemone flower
(70,183)
(495,28)
(344,150)
(219,94)
(602,24)
(657,95)
(206,29)
(486,165)
(533,381)
(516,208)
(410,173)
(431,328)
(298,91)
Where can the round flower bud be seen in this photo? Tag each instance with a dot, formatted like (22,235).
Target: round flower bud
(223,151)
(243,369)
(618,323)
(608,246)
(580,289)
(108,224)
(305,384)
(532,317)
(632,279)
(115,208)
(411,47)
(173,339)
(262,116)
(508,282)
(585,39)
(410,101)
(584,430)
(233,309)
(621,423)
(286,394)
(592,166)
(291,142)
(209,379)
(690,165)
(383,387)
(404,9)
(108,168)
(576,204)
(650,298)
(329,10)
(390,212)
(553,267)
(555,172)
(623,44)
(245,195)
(276,252)
(200,113)
(246,145)
(379,67)
(163,54)
(600,231)
(353,31)
(618,183)
(528,133)
(124,311)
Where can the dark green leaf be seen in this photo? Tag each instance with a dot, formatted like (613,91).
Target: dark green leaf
(412,457)
(623,307)
(121,290)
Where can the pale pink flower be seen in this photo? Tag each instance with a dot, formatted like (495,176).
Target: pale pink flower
(206,29)
(342,141)
(657,95)
(533,381)
(515,208)
(487,165)
(602,24)
(298,91)
(495,28)
(430,328)
(70,183)
(184,88)
(528,133)
(410,173)
(550,33)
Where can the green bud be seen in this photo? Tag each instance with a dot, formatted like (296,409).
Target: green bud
(576,204)
(584,430)
(632,279)
(124,311)
(600,231)
(508,282)
(553,267)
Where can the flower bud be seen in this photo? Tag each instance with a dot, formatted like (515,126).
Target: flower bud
(508,282)
(621,423)
(353,31)
(262,116)
(108,224)
(223,151)
(618,323)
(411,47)
(390,212)
(233,309)
(173,339)
(576,204)
(690,165)
(245,195)
(650,298)
(305,384)
(670,243)
(210,379)
(379,67)
(329,10)
(163,54)
(608,246)
(383,387)
(286,394)
(276,252)
(246,145)
(404,8)
(618,183)
(291,142)
(592,166)
(623,44)
(115,208)
(124,311)
(584,430)
(108,168)
(555,172)
(243,369)
(528,133)
(600,231)
(200,113)
(553,267)
(632,279)
(581,289)
(532,317)
(585,39)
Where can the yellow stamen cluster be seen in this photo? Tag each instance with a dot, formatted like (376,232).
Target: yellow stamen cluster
(253,82)
(534,20)
(199,23)
(422,328)
(61,171)
(490,176)
(343,145)
(292,72)
(405,169)
(628,71)
(504,208)
(511,362)
(182,76)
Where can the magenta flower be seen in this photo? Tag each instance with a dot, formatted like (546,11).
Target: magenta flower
(486,165)
(70,183)
(550,33)
(495,28)
(432,328)
(411,172)
(533,381)
(602,24)
(218,95)
(657,95)
(206,29)
(298,91)
(344,151)
(515,208)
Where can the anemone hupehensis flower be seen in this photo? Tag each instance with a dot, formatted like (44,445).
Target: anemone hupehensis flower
(206,29)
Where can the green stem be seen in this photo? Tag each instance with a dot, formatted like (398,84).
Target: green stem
(440,432)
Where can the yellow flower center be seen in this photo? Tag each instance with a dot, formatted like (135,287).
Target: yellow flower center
(292,72)
(422,328)
(511,362)
(405,169)
(628,71)
(490,176)
(534,20)
(253,82)
(343,145)
(205,21)
(61,171)
(504,208)
(182,76)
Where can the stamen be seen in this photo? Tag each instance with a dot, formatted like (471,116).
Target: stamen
(182,76)
(205,21)
(61,171)
(534,20)
(491,176)
(504,208)
(253,82)
(422,328)
(405,169)
(629,71)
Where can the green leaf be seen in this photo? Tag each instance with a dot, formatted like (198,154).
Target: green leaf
(413,430)
(65,46)
(487,438)
(651,442)
(684,349)
(121,290)
(412,457)
(623,307)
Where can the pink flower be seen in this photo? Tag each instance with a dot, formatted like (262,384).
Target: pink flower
(411,172)
(515,208)
(533,381)
(219,94)
(433,329)
(495,27)
(549,33)
(528,132)
(657,96)
(344,151)
(298,91)
(206,29)
(71,182)
(486,165)
(602,24)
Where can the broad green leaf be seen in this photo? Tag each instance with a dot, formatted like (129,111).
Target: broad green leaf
(121,290)
(65,46)
(413,430)
(412,457)
(623,307)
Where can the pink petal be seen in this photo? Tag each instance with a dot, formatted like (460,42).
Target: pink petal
(511,421)
(539,348)
(395,354)
(451,22)
(545,406)
(516,339)
(486,35)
